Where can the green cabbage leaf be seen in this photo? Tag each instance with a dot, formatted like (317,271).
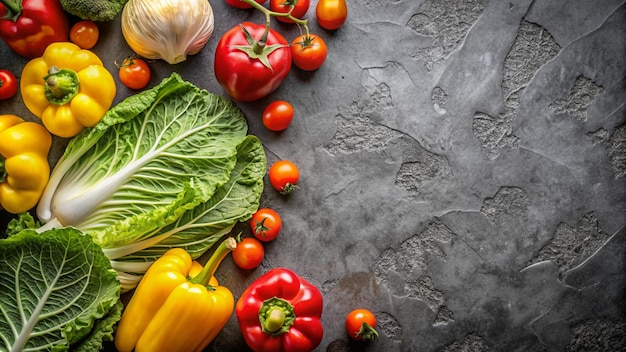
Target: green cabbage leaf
(58,292)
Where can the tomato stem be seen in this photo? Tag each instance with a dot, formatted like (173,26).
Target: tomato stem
(367,332)
(269,14)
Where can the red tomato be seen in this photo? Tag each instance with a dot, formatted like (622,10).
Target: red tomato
(249,253)
(241,71)
(360,325)
(284,176)
(241,4)
(309,52)
(277,115)
(300,7)
(331,14)
(84,34)
(8,84)
(266,224)
(134,73)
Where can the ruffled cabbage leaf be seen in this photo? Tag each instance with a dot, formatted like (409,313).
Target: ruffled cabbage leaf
(171,166)
(58,292)
(197,230)
(152,157)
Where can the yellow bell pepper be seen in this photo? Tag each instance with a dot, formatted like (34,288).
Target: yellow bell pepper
(173,308)
(24,168)
(68,88)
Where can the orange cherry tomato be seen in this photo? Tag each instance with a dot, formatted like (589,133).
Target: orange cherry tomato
(134,73)
(331,14)
(277,115)
(84,34)
(360,325)
(284,176)
(308,52)
(266,224)
(8,84)
(249,253)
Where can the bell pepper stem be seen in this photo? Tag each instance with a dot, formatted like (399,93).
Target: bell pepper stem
(14,9)
(61,85)
(276,316)
(214,261)
(275,320)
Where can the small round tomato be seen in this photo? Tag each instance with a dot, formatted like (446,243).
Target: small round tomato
(266,224)
(331,14)
(361,324)
(277,115)
(300,8)
(284,176)
(134,73)
(249,253)
(8,84)
(84,34)
(308,52)
(241,4)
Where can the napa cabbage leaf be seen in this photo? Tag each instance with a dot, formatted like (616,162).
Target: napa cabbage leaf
(152,157)
(171,166)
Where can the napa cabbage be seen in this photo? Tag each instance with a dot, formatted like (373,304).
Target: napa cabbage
(171,166)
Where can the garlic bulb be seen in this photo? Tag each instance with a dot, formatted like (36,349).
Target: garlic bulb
(167,29)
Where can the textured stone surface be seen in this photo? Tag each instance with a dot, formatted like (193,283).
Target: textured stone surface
(463,172)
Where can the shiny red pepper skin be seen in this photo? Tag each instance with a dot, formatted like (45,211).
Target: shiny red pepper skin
(28,26)
(303,334)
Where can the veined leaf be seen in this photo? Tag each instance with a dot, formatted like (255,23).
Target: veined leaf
(56,287)
(153,157)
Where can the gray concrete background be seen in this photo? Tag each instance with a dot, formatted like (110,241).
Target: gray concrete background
(462,171)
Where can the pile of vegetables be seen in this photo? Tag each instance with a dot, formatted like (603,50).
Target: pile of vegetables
(147,186)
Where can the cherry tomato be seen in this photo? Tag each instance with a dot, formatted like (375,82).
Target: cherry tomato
(309,52)
(84,34)
(331,14)
(284,176)
(134,73)
(245,74)
(266,224)
(361,324)
(241,4)
(249,253)
(277,115)
(8,84)
(300,7)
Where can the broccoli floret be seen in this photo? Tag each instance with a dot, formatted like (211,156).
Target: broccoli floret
(95,10)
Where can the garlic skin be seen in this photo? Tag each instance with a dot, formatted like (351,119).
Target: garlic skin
(167,29)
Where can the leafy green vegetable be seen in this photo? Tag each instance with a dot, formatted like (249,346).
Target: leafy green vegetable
(153,156)
(171,166)
(199,229)
(58,292)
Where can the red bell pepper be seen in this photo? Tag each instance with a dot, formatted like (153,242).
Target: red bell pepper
(281,312)
(29,26)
